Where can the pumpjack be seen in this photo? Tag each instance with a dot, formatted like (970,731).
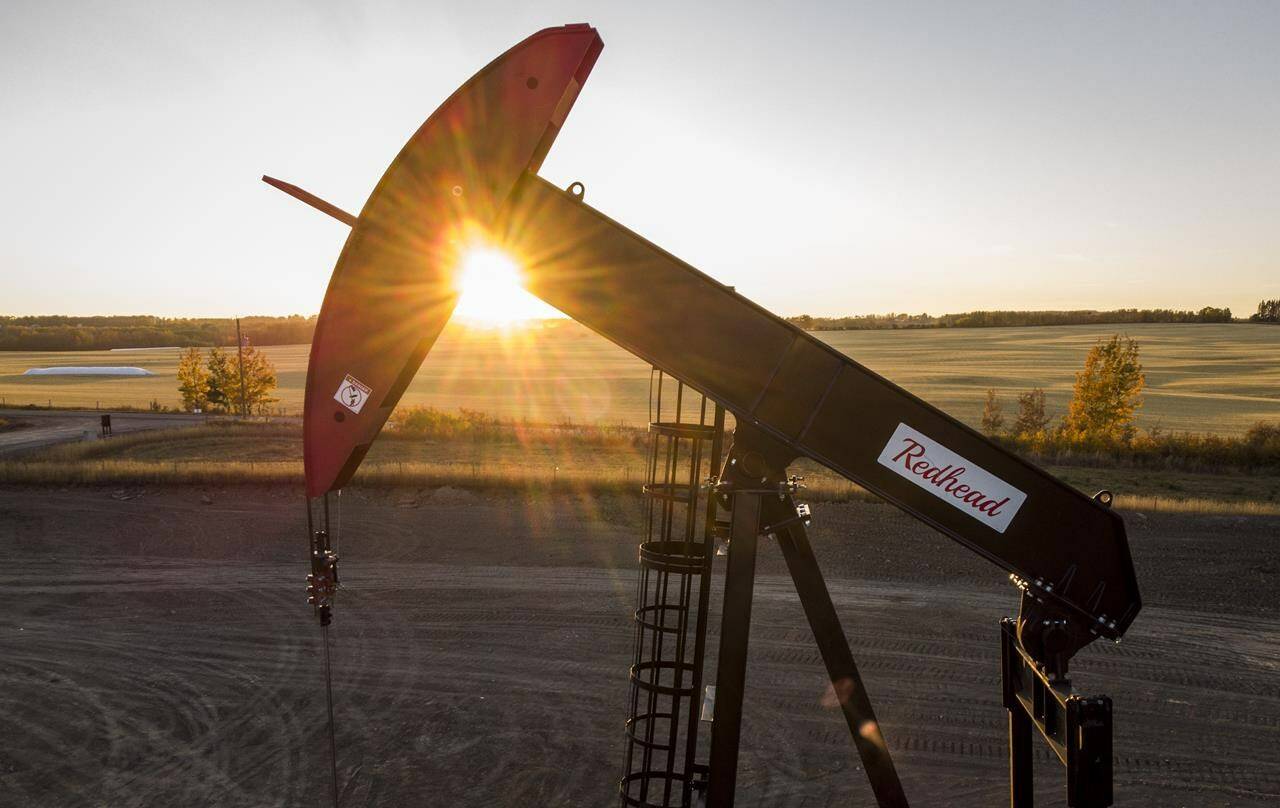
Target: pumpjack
(472,168)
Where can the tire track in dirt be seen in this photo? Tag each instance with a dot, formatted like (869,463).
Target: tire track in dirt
(189,678)
(163,713)
(491,676)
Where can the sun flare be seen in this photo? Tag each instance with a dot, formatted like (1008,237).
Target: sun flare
(491,290)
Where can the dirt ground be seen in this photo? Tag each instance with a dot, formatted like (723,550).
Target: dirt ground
(156,649)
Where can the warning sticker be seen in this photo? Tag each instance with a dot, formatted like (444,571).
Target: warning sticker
(352,393)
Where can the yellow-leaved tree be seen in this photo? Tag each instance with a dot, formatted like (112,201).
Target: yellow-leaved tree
(228,390)
(259,381)
(1033,417)
(1108,392)
(224,382)
(193,380)
(992,414)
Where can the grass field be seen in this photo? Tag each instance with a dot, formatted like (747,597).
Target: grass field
(1201,378)
(537,458)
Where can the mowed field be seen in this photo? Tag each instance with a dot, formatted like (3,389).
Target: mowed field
(1201,378)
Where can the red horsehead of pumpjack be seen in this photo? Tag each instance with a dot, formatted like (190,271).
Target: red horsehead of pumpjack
(393,291)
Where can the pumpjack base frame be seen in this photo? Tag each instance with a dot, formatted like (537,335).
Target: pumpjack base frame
(1077,728)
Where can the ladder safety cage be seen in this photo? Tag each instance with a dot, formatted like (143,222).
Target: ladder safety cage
(673,594)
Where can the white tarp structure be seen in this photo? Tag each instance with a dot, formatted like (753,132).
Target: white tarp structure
(88,371)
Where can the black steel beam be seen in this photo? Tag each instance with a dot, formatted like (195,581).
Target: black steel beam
(731,666)
(824,405)
(846,681)
(1089,760)
(1021,771)
(1021,768)
(704,602)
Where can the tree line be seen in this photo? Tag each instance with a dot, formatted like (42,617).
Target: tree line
(63,333)
(99,333)
(1268,312)
(1002,319)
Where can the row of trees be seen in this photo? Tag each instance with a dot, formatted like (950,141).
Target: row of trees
(1003,319)
(1268,312)
(60,333)
(1104,402)
(226,381)
(64,333)
(865,322)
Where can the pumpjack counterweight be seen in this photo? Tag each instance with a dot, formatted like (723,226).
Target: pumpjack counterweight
(472,168)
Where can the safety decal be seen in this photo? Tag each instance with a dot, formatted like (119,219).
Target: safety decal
(352,393)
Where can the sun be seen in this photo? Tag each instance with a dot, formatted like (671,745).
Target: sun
(491,290)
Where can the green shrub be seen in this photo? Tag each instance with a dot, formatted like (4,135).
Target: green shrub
(428,422)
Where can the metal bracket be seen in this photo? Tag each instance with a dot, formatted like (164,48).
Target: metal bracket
(781,490)
(322,583)
(804,516)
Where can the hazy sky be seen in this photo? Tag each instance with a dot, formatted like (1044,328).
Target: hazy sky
(824,158)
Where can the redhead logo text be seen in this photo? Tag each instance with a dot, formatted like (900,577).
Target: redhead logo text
(951,478)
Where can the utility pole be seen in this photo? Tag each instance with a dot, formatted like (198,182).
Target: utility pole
(240,363)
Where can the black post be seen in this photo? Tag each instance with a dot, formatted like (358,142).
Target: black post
(1021,777)
(704,602)
(1089,760)
(846,682)
(1021,770)
(240,363)
(731,667)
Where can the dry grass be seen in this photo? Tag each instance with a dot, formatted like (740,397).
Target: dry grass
(507,477)
(1156,504)
(473,451)
(1258,450)
(390,475)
